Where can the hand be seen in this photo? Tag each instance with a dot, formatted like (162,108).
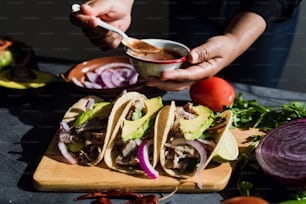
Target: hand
(214,55)
(206,60)
(116,13)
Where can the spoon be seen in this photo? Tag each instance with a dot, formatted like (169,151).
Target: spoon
(134,44)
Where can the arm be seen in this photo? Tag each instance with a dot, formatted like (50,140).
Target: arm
(215,54)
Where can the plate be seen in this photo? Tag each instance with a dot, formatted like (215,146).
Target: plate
(24,57)
(78,71)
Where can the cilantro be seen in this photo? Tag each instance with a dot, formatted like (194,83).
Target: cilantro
(249,113)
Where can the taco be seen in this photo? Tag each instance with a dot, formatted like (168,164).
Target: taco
(190,139)
(86,128)
(133,146)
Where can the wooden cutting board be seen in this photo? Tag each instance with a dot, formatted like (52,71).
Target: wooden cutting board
(54,174)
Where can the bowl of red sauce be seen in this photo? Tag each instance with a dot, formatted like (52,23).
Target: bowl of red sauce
(171,56)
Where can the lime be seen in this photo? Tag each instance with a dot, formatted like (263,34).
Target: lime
(6,58)
(226,149)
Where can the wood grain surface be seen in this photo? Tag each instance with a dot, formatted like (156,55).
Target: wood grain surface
(54,174)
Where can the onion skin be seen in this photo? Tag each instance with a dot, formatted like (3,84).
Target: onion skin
(282,153)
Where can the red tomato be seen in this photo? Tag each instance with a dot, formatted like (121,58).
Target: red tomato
(214,93)
(245,200)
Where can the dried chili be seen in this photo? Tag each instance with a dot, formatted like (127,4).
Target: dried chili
(149,199)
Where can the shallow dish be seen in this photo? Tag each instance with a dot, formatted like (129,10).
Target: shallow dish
(78,74)
(24,63)
(172,56)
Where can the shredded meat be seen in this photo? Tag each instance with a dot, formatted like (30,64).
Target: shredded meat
(90,138)
(178,156)
(89,154)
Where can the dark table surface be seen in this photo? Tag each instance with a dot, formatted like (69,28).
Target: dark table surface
(28,121)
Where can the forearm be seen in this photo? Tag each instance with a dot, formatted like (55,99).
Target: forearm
(245,29)
(271,10)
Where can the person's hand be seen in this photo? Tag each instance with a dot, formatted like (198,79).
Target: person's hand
(116,13)
(214,55)
(206,60)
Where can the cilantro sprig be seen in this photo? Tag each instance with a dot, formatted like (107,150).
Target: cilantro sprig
(249,113)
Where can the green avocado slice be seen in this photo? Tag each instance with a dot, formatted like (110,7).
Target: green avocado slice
(193,128)
(100,110)
(42,78)
(133,129)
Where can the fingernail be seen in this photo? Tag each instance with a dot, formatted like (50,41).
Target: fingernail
(194,57)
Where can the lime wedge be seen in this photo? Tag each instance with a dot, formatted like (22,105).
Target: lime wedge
(6,58)
(226,149)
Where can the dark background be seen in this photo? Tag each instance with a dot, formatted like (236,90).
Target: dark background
(45,26)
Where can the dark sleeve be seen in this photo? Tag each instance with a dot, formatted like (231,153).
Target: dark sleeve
(271,10)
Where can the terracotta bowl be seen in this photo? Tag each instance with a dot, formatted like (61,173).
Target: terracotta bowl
(78,72)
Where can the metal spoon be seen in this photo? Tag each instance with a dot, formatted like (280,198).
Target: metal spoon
(134,44)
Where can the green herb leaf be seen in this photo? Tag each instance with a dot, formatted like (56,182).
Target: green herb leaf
(249,113)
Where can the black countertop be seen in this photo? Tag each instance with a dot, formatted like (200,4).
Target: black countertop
(29,121)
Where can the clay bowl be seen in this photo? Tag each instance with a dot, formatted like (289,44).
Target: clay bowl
(79,71)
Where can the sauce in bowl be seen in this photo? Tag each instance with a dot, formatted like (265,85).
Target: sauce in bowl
(163,55)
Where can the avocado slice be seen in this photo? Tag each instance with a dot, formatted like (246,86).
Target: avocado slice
(100,110)
(194,128)
(42,78)
(132,129)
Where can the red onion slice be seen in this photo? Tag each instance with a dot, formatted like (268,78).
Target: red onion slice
(64,126)
(143,156)
(120,77)
(89,103)
(76,82)
(282,153)
(91,76)
(106,77)
(133,78)
(91,85)
(64,151)
(113,65)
